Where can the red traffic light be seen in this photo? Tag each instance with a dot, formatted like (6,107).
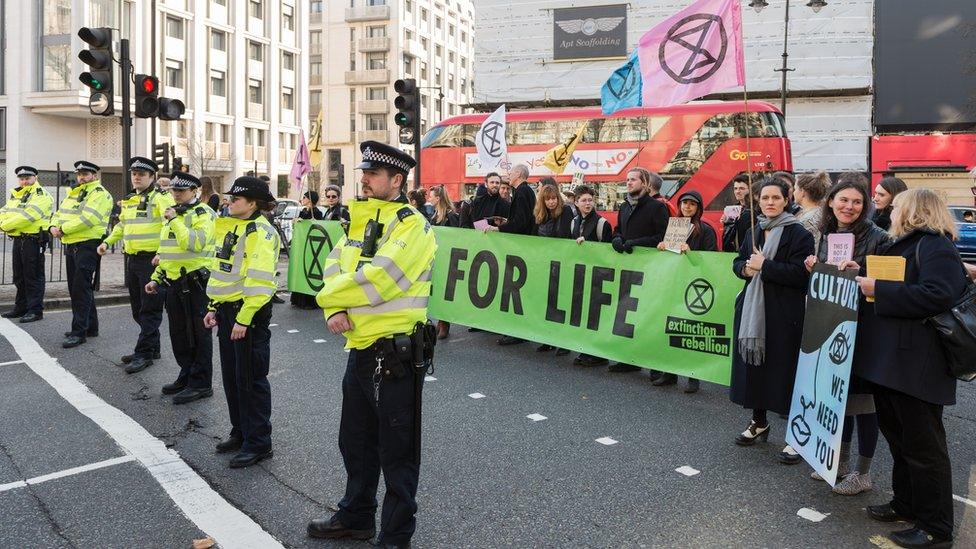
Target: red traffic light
(150,84)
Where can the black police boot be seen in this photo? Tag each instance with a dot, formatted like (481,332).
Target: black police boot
(175,387)
(917,537)
(190,394)
(232,444)
(246,459)
(13,314)
(156,355)
(331,528)
(72,341)
(89,333)
(31,317)
(127,358)
(138,364)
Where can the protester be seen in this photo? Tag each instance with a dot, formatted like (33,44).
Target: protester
(642,221)
(701,239)
(589,226)
(884,193)
(521,219)
(569,197)
(809,193)
(505,191)
(444,216)
(789,179)
(769,314)
(735,227)
(334,210)
(908,366)
(225,207)
(309,210)
(654,190)
(418,199)
(489,205)
(847,211)
(553,219)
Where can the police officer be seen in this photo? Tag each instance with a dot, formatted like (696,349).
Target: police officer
(186,250)
(242,280)
(25,218)
(139,226)
(80,223)
(377,284)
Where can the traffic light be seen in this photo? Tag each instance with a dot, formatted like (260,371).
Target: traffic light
(147,96)
(161,157)
(407,104)
(170,109)
(99,77)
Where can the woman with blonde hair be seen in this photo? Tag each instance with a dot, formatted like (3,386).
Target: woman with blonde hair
(554,219)
(907,365)
(443,214)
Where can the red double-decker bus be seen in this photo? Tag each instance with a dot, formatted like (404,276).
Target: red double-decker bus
(697,146)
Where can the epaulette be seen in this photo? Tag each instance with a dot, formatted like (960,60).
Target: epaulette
(405,212)
(200,210)
(251,227)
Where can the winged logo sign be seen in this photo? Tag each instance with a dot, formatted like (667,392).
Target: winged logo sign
(594,32)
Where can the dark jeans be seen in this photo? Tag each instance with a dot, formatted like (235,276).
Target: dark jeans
(81,262)
(192,343)
(249,406)
(28,267)
(376,436)
(921,477)
(147,309)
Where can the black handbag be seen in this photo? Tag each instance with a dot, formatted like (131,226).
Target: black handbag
(957,330)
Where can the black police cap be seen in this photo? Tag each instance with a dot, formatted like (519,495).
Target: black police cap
(25,171)
(251,187)
(86,166)
(381,155)
(183,180)
(143,164)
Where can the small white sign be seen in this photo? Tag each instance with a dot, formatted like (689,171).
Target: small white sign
(476,396)
(606,441)
(537,417)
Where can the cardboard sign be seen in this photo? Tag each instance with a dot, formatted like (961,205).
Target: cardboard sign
(886,267)
(679,228)
(732,212)
(840,248)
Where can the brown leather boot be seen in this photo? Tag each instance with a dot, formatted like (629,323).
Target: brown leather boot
(443,329)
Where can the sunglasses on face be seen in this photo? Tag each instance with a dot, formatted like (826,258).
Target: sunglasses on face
(332,196)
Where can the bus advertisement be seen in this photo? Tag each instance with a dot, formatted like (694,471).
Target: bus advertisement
(698,146)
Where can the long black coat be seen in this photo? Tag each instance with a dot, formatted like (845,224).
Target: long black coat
(894,348)
(643,224)
(769,386)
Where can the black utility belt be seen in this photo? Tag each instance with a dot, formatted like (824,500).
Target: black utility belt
(403,353)
(141,254)
(33,236)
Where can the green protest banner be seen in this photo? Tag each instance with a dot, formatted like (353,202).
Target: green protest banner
(311,242)
(660,310)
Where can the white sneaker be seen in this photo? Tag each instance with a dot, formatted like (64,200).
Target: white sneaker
(853,484)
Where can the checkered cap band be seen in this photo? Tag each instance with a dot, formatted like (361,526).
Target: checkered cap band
(178,182)
(85,165)
(369,155)
(26,170)
(142,165)
(237,189)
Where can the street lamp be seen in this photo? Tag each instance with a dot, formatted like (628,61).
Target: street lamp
(758,5)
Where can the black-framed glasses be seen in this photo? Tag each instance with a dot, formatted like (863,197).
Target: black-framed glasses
(332,196)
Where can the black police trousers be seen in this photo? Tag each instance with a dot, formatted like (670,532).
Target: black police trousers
(244,368)
(28,267)
(376,436)
(147,309)
(81,262)
(192,343)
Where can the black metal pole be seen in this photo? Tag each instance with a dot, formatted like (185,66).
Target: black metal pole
(152,67)
(126,120)
(786,55)
(417,137)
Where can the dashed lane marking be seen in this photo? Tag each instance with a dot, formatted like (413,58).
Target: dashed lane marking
(476,396)
(537,417)
(961,499)
(430,378)
(196,499)
(293,331)
(66,473)
(318,341)
(271,325)
(687,470)
(607,441)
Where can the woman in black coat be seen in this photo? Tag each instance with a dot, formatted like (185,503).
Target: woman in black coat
(701,239)
(847,209)
(769,313)
(886,191)
(309,211)
(906,362)
(334,210)
(554,219)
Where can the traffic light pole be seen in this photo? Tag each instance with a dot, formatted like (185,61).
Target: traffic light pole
(126,119)
(416,139)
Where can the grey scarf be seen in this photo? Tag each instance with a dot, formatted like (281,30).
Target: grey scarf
(752,324)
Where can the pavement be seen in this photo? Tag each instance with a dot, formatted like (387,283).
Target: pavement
(491,475)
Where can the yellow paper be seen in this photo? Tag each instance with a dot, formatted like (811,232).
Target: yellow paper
(886,267)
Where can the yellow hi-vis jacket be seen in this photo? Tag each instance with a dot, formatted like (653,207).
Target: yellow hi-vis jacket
(385,294)
(83,214)
(186,243)
(245,266)
(28,211)
(141,220)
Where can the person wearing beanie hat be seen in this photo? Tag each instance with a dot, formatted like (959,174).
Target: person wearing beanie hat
(243,279)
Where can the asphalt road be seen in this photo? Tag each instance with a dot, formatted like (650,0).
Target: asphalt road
(491,477)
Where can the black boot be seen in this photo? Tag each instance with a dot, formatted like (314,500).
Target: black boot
(232,444)
(13,314)
(175,387)
(665,379)
(190,394)
(72,341)
(137,365)
(31,317)
(331,528)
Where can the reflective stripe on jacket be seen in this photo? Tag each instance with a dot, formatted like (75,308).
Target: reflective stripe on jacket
(83,214)
(27,212)
(141,220)
(186,243)
(249,272)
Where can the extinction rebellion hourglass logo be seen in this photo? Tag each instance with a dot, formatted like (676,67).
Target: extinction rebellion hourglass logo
(697,335)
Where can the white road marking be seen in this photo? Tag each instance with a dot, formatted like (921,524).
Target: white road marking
(687,470)
(66,473)
(271,325)
(318,341)
(969,502)
(537,417)
(607,441)
(11,363)
(811,514)
(198,501)
(476,396)
(292,331)
(430,378)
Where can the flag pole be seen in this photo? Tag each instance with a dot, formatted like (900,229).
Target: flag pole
(752,200)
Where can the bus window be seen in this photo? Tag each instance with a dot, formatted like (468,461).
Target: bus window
(532,132)
(445,136)
(624,129)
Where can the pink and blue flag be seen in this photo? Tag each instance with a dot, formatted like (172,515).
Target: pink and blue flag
(693,53)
